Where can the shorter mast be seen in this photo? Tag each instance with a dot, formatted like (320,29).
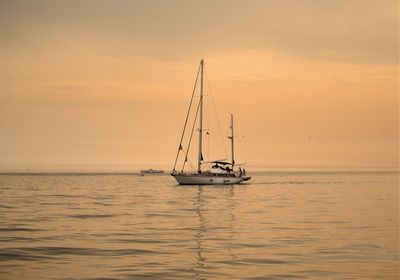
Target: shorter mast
(232,141)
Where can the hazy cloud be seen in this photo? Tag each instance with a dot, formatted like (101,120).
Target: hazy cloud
(351,30)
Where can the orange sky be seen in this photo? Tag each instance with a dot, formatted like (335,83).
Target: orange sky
(311,83)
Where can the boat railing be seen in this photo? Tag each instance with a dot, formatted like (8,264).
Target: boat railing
(207,173)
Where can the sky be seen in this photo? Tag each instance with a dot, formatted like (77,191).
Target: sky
(106,84)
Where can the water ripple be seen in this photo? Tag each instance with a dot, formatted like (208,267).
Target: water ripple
(279,226)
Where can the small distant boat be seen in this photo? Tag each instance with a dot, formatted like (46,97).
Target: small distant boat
(218,172)
(151,171)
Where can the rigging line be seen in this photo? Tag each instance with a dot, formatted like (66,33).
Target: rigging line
(241,145)
(187,117)
(208,125)
(191,134)
(223,141)
(189,157)
(207,107)
(244,149)
(191,165)
(238,143)
(222,98)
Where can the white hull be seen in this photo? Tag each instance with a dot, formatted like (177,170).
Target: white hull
(206,180)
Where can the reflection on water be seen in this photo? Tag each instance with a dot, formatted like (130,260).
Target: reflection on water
(283,225)
(200,233)
(202,225)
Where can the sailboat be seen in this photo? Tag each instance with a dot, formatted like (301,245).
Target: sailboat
(219,172)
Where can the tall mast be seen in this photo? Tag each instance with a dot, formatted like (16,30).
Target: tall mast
(232,141)
(200,158)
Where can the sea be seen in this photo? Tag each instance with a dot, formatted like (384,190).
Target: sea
(279,225)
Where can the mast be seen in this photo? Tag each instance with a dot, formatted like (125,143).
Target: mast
(232,141)
(200,157)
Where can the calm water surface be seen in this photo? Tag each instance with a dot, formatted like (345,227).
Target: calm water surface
(280,226)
